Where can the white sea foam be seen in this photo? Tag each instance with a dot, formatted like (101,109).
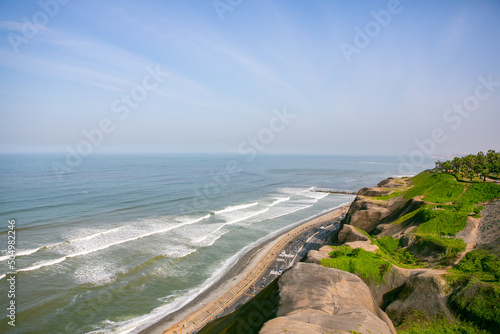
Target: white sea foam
(99,273)
(209,238)
(122,241)
(23,252)
(315,195)
(292,191)
(235,208)
(280,213)
(279,200)
(91,248)
(95,235)
(41,264)
(177,251)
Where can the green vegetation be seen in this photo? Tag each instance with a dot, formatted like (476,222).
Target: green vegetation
(477,193)
(436,188)
(479,302)
(406,217)
(428,245)
(388,243)
(441,222)
(449,203)
(391,195)
(439,326)
(471,166)
(477,210)
(395,253)
(399,255)
(368,265)
(481,264)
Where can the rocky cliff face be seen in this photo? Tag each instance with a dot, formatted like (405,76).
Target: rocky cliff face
(368,213)
(315,299)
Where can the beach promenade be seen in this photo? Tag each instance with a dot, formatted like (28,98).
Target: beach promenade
(261,262)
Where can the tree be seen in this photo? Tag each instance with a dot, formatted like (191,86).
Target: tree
(469,174)
(447,166)
(457,164)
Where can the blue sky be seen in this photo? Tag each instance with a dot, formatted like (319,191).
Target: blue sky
(232,68)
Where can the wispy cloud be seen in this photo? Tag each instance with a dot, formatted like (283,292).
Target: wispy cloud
(17,26)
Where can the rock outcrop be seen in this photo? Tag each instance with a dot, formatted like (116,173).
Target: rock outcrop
(373,215)
(315,256)
(349,234)
(315,299)
(423,293)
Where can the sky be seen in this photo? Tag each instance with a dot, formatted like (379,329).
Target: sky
(319,77)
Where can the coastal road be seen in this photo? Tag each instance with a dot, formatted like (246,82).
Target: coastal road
(293,252)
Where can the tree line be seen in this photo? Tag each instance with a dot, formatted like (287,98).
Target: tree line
(481,165)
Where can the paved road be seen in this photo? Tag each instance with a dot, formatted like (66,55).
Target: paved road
(291,254)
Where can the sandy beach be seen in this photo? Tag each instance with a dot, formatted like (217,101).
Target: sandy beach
(236,274)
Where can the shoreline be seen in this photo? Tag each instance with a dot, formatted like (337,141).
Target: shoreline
(243,266)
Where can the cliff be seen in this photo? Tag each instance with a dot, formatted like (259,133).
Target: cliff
(440,239)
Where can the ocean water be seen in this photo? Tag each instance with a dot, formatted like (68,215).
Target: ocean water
(122,240)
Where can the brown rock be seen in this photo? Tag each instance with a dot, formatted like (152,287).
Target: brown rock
(348,233)
(315,299)
(424,293)
(315,256)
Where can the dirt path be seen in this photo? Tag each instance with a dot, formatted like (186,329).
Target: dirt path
(469,235)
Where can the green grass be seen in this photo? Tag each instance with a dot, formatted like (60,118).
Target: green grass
(395,253)
(480,192)
(406,217)
(388,243)
(439,326)
(479,302)
(391,195)
(441,222)
(481,264)
(436,188)
(448,247)
(367,265)
(398,256)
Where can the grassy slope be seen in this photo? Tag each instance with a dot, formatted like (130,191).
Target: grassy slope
(368,265)
(475,279)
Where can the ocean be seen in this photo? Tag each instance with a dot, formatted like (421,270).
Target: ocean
(119,241)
